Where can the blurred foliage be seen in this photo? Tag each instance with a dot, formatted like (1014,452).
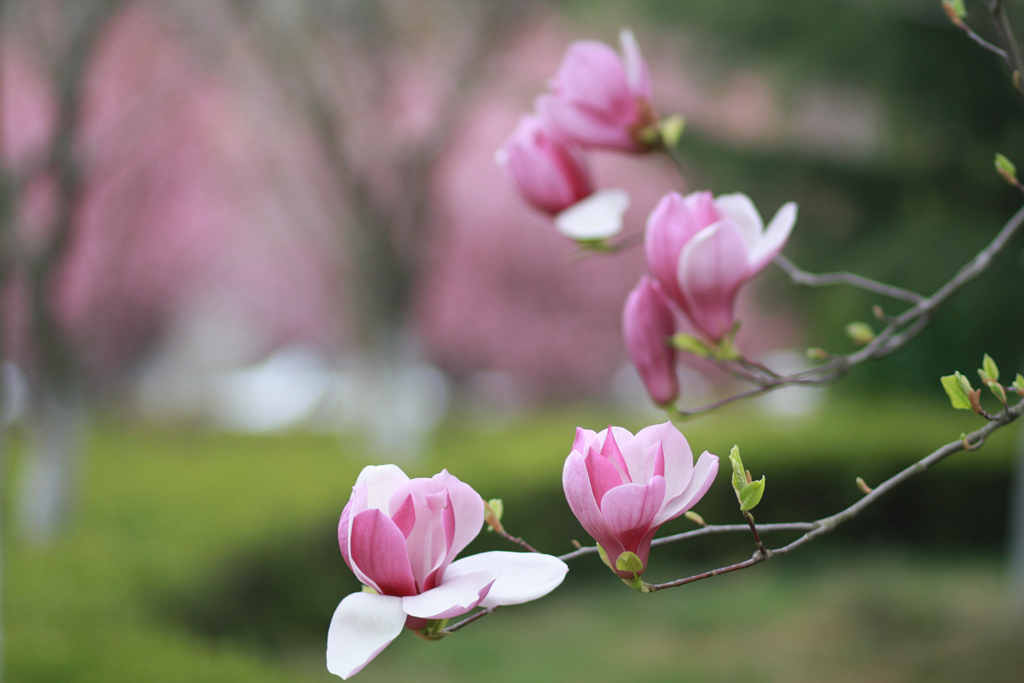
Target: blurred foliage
(207,557)
(909,213)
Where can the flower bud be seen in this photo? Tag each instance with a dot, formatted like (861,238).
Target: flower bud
(647,326)
(549,171)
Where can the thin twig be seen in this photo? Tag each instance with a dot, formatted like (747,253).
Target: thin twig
(898,331)
(802,277)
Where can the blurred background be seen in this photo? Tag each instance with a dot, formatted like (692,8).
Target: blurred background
(248,247)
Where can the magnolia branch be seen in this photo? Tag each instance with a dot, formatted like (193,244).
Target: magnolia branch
(825,525)
(899,330)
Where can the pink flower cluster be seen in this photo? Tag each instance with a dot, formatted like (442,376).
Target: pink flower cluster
(399,536)
(622,487)
(700,250)
(597,100)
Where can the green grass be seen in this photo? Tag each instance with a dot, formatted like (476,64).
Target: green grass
(168,515)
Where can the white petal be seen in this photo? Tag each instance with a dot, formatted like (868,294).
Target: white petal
(362,626)
(456,595)
(521,576)
(742,213)
(596,217)
(774,239)
(381,481)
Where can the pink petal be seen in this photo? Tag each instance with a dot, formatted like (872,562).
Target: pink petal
(405,516)
(647,325)
(362,626)
(378,549)
(603,475)
(712,267)
(610,450)
(584,439)
(592,76)
(468,508)
(669,227)
(629,511)
(454,596)
(521,576)
(426,543)
(678,461)
(580,496)
(584,126)
(704,473)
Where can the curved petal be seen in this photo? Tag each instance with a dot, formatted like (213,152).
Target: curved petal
(677,454)
(596,217)
(380,481)
(576,483)
(521,576)
(603,475)
(468,507)
(704,473)
(638,77)
(712,267)
(629,511)
(742,213)
(610,449)
(454,596)
(647,325)
(378,549)
(669,227)
(585,438)
(362,626)
(774,238)
(585,126)
(592,76)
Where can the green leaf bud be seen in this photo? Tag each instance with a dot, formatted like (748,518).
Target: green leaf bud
(1006,169)
(671,129)
(860,333)
(955,390)
(750,495)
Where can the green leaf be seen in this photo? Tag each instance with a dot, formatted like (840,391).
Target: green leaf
(671,128)
(1018,383)
(988,366)
(629,562)
(750,495)
(604,556)
(739,474)
(690,344)
(955,391)
(997,390)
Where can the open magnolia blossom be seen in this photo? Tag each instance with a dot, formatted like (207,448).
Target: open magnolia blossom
(702,249)
(599,99)
(400,537)
(623,487)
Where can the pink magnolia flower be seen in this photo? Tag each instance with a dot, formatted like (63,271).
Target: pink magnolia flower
(702,249)
(623,487)
(399,536)
(599,99)
(647,325)
(549,171)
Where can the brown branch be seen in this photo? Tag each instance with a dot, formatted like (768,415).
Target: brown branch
(897,333)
